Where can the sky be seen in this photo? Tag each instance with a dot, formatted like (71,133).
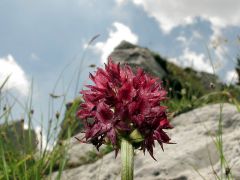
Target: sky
(43,41)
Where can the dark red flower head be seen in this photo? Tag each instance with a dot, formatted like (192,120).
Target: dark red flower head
(122,103)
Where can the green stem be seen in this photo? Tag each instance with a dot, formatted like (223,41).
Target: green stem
(127,160)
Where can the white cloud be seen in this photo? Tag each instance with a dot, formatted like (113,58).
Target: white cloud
(196,61)
(18,79)
(120,2)
(119,33)
(171,13)
(197,35)
(186,42)
(182,39)
(34,57)
(221,15)
(221,53)
(231,77)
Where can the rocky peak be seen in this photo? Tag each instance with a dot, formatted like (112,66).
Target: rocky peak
(137,56)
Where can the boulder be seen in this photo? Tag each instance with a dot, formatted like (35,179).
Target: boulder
(79,153)
(194,155)
(137,56)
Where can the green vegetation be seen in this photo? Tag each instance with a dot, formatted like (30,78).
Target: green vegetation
(71,124)
(20,157)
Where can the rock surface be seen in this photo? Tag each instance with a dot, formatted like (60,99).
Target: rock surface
(78,152)
(194,155)
(137,56)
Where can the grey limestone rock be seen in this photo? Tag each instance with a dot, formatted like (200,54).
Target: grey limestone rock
(194,154)
(137,56)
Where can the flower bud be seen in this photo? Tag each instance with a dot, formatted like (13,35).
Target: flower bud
(136,136)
